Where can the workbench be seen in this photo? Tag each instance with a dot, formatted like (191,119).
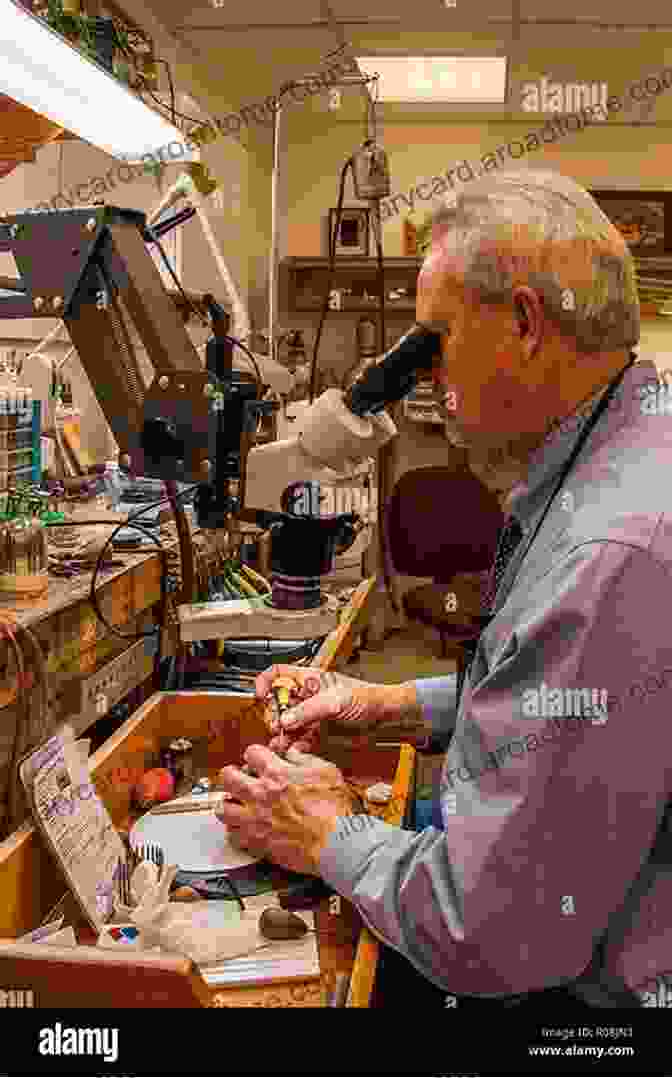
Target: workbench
(229,723)
(81,652)
(75,642)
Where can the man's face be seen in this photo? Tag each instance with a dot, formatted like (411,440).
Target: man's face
(479,376)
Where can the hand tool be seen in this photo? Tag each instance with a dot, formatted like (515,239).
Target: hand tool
(205,804)
(339,994)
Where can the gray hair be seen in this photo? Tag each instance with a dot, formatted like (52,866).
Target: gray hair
(536,227)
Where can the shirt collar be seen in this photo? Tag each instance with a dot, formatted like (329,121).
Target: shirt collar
(545,466)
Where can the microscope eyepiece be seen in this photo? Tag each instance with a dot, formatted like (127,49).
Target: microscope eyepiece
(394,376)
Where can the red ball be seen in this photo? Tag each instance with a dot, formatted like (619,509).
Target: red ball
(155,786)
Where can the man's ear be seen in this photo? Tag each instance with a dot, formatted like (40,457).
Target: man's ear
(521,317)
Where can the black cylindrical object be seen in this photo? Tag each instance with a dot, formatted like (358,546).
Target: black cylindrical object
(104,36)
(394,376)
(302,551)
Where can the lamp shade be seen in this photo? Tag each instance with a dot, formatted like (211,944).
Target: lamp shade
(39,69)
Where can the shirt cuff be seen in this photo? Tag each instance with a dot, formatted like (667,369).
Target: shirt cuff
(437,697)
(347,854)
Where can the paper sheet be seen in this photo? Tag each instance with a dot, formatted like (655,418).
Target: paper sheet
(283,960)
(75,822)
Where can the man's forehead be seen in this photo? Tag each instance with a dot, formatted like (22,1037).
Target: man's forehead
(441,277)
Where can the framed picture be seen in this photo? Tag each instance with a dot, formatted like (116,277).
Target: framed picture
(644,219)
(353,233)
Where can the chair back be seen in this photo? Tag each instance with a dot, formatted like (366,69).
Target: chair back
(439,523)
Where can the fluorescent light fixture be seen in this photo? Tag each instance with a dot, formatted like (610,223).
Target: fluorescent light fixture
(38,68)
(455,80)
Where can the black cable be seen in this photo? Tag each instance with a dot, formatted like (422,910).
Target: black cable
(244,348)
(349,164)
(182,115)
(170,83)
(162,626)
(164,586)
(155,239)
(118,527)
(226,336)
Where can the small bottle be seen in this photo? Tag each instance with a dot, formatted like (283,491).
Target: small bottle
(178,759)
(25,572)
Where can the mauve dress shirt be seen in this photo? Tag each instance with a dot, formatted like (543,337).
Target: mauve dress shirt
(548,821)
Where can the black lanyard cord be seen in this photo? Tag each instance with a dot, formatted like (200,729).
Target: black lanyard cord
(583,438)
(470,646)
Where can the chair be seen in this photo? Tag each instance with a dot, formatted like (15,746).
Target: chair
(440,524)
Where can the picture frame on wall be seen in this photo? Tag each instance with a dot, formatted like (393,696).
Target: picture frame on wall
(644,219)
(353,239)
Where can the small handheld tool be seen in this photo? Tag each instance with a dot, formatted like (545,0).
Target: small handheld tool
(282,690)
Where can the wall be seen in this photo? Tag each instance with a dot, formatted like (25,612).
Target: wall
(423,142)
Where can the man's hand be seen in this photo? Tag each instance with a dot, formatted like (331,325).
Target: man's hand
(347,712)
(289,811)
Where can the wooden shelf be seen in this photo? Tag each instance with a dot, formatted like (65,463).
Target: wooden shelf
(303,284)
(22,133)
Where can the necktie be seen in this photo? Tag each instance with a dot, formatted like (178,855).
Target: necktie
(510,537)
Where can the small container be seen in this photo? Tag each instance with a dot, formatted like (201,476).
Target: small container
(178,759)
(24,561)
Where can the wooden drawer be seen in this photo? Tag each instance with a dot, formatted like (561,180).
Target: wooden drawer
(221,727)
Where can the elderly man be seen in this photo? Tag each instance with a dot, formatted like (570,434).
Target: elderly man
(545,870)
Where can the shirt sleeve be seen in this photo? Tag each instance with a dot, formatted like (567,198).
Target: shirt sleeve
(438,698)
(547,820)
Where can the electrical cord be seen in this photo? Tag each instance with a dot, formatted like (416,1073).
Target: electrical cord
(261,386)
(24,739)
(182,115)
(27,715)
(131,521)
(155,240)
(173,498)
(171,85)
(349,164)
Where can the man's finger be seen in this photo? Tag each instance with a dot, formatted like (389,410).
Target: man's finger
(242,786)
(304,746)
(262,759)
(233,816)
(279,744)
(297,756)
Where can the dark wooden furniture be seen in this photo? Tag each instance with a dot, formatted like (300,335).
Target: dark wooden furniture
(303,284)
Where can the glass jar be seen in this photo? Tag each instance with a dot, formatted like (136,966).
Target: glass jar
(24,562)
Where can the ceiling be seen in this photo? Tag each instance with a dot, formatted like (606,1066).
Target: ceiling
(187,33)
(206,29)
(476,15)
